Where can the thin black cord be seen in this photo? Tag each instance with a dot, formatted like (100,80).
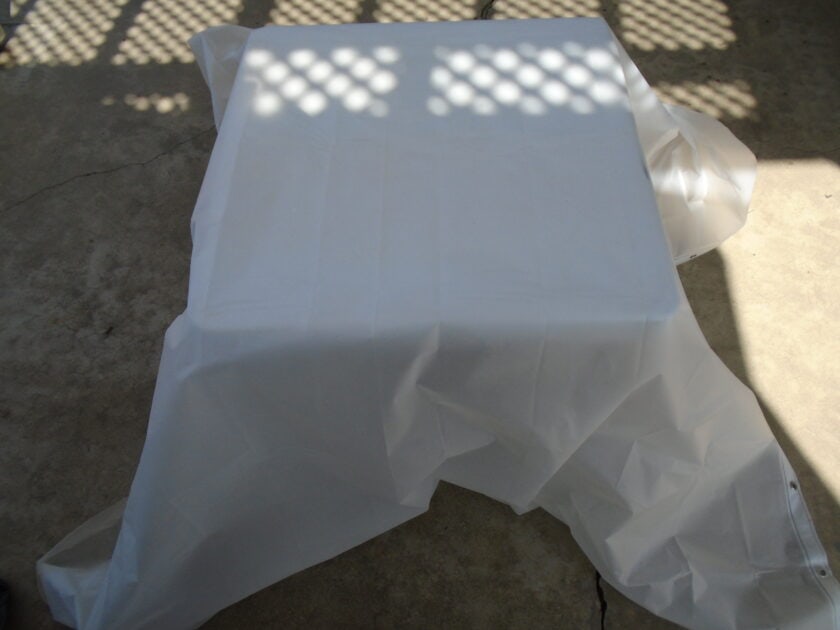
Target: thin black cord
(486,11)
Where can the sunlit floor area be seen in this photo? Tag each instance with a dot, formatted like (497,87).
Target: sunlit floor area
(106,131)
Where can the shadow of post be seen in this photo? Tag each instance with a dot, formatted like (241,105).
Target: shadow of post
(707,288)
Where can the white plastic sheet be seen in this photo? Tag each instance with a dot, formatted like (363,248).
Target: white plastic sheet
(433,252)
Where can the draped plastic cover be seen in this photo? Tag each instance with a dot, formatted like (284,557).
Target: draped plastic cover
(433,252)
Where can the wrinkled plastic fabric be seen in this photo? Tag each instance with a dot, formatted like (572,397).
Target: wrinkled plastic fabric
(702,175)
(414,282)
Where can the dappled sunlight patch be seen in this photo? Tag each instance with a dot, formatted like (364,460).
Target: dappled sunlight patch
(715,98)
(314,11)
(427,11)
(76,32)
(160,32)
(524,9)
(675,24)
(159,103)
(356,80)
(61,32)
(486,80)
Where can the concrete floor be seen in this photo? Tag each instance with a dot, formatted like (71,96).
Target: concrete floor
(106,130)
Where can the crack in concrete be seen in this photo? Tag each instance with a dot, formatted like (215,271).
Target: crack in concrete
(602,600)
(106,171)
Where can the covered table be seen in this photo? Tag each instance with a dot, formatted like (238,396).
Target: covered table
(433,252)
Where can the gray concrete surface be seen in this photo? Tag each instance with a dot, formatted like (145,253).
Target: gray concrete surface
(105,131)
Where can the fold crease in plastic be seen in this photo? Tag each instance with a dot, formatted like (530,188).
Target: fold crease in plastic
(446,252)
